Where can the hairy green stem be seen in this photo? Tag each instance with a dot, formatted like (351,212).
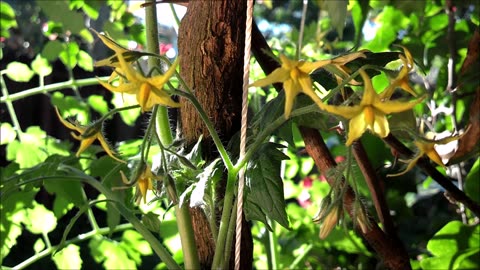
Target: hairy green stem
(213,133)
(80,238)
(164,133)
(50,88)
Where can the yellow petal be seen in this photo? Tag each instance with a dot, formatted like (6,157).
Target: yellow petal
(127,88)
(369,114)
(162,98)
(85,143)
(143,184)
(347,112)
(410,166)
(278,75)
(309,67)
(292,89)
(435,157)
(287,63)
(159,80)
(110,43)
(143,94)
(380,125)
(369,94)
(356,128)
(66,123)
(342,60)
(388,107)
(107,149)
(329,223)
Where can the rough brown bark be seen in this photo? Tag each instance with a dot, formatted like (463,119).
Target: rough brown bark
(211,43)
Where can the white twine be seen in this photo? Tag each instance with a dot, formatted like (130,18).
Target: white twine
(243,131)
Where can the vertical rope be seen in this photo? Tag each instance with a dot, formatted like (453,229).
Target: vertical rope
(243,131)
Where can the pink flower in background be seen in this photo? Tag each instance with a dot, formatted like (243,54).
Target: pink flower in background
(164,48)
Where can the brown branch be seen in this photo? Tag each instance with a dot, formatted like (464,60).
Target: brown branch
(425,165)
(373,182)
(389,249)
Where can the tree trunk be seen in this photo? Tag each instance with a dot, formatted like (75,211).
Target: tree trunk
(211,43)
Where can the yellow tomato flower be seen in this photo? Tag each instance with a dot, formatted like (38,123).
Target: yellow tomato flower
(149,91)
(87,139)
(371,113)
(401,81)
(144,181)
(113,61)
(426,147)
(296,79)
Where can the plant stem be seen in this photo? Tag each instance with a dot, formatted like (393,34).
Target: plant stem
(299,258)
(162,128)
(11,109)
(79,175)
(213,133)
(91,216)
(50,88)
(221,249)
(82,237)
(272,243)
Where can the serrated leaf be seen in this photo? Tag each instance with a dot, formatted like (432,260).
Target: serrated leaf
(41,66)
(206,179)
(264,184)
(68,258)
(69,189)
(19,72)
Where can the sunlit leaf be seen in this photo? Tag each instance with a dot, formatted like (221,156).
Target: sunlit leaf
(69,54)
(98,103)
(7,19)
(60,12)
(122,100)
(19,72)
(7,133)
(110,254)
(40,219)
(68,258)
(472,183)
(85,61)
(457,245)
(41,66)
(39,245)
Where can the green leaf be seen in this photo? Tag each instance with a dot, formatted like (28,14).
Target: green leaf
(69,54)
(19,72)
(7,19)
(52,49)
(12,213)
(7,133)
(264,186)
(152,222)
(59,11)
(39,245)
(40,220)
(110,253)
(472,183)
(68,258)
(98,103)
(208,176)
(129,116)
(71,190)
(71,106)
(41,66)
(455,245)
(85,61)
